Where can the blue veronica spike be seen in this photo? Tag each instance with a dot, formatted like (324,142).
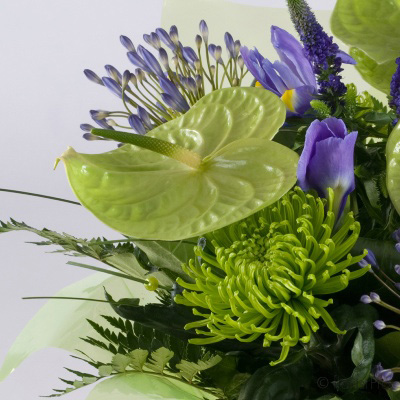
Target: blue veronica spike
(144,116)
(180,104)
(113,73)
(173,34)
(136,60)
(99,114)
(92,76)
(127,43)
(230,44)
(86,127)
(189,55)
(163,35)
(113,86)
(150,61)
(137,125)
(204,30)
(103,123)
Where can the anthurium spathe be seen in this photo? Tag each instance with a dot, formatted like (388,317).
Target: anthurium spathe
(206,169)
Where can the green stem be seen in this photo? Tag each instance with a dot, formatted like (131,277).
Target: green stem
(385,284)
(40,195)
(66,298)
(388,306)
(168,149)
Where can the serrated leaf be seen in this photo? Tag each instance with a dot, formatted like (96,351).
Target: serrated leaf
(159,359)
(150,196)
(120,362)
(188,370)
(138,358)
(105,370)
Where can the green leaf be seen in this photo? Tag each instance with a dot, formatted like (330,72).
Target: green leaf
(120,362)
(188,369)
(284,381)
(159,359)
(371,25)
(147,195)
(361,318)
(138,358)
(388,349)
(393,167)
(372,28)
(138,386)
(49,326)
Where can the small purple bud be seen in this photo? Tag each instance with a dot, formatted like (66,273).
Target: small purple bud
(144,116)
(155,40)
(397,285)
(379,324)
(369,259)
(113,73)
(137,125)
(197,65)
(89,136)
(238,45)
(163,55)
(86,127)
(133,80)
(204,30)
(127,43)
(385,375)
(199,81)
(165,38)
(211,49)
(103,123)
(365,299)
(189,55)
(230,44)
(198,41)
(396,235)
(150,61)
(173,97)
(240,62)
(191,83)
(138,61)
(141,76)
(375,297)
(113,86)
(111,122)
(218,54)
(92,76)
(396,386)
(99,114)
(126,77)
(173,34)
(397,247)
(397,269)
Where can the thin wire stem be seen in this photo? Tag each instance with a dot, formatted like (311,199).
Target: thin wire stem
(40,195)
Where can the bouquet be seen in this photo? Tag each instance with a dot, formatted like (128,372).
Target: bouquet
(258,204)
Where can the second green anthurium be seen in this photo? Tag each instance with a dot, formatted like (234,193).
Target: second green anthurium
(209,168)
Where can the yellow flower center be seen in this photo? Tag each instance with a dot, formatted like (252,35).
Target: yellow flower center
(287,98)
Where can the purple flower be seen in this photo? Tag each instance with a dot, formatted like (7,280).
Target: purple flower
(369,259)
(379,324)
(137,125)
(92,76)
(127,43)
(365,299)
(397,269)
(113,86)
(150,61)
(292,78)
(327,160)
(395,89)
(172,96)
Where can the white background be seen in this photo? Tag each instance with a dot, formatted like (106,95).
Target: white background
(44,96)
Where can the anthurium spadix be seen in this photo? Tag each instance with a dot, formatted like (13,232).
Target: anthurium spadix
(211,167)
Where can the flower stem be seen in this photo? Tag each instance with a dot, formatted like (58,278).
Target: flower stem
(40,195)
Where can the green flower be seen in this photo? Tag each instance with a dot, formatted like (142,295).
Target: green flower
(262,276)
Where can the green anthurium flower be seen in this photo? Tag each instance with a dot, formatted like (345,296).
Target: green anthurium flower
(204,170)
(393,167)
(372,28)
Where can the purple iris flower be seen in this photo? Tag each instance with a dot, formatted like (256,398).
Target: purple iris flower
(327,160)
(292,78)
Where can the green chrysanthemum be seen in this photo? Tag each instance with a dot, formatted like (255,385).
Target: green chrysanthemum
(262,276)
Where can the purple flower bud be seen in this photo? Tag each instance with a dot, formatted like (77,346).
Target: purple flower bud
(93,77)
(198,41)
(86,127)
(113,86)
(89,136)
(237,47)
(397,285)
(165,38)
(365,299)
(375,297)
(211,49)
(103,124)
(144,116)
(113,73)
(163,55)
(369,259)
(327,161)
(386,375)
(136,60)
(230,44)
(150,61)
(396,235)
(199,81)
(173,98)
(127,43)
(155,40)
(204,30)
(397,247)
(126,77)
(397,269)
(396,386)
(379,324)
(173,34)
(133,80)
(137,125)
(240,62)
(99,114)
(189,55)
(141,76)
